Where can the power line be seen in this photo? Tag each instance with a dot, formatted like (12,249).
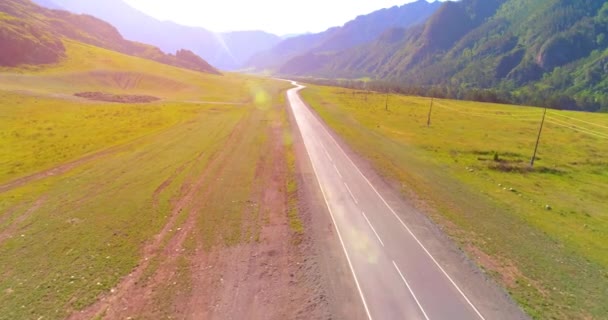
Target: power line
(574,126)
(512,111)
(524,116)
(491,115)
(587,122)
(428,121)
(568,126)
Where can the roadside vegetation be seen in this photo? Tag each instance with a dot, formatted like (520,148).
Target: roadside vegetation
(541,232)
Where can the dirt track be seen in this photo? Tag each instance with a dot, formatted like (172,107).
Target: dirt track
(275,273)
(271,275)
(58,170)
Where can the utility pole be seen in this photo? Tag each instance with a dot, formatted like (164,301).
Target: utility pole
(386,103)
(542,123)
(428,121)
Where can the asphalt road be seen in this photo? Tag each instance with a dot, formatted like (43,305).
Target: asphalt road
(395,274)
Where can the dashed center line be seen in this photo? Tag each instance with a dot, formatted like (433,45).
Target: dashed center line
(338,171)
(328,134)
(320,133)
(373,229)
(410,289)
(351,193)
(327,154)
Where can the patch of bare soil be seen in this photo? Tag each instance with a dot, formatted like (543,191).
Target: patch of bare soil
(506,271)
(119,98)
(271,278)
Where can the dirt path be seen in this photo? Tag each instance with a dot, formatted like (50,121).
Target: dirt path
(268,275)
(174,175)
(128,297)
(70,165)
(58,170)
(9,232)
(263,279)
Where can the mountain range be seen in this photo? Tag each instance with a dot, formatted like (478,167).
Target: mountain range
(361,30)
(550,53)
(542,52)
(254,50)
(226,51)
(32,35)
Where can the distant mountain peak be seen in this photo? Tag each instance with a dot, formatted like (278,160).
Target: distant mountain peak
(41,31)
(361,30)
(550,53)
(231,53)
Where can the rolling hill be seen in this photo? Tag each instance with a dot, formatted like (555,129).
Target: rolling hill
(227,51)
(550,53)
(34,35)
(359,31)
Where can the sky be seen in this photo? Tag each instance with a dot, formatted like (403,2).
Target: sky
(280,17)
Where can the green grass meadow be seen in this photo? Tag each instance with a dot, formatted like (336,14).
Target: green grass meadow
(542,232)
(65,239)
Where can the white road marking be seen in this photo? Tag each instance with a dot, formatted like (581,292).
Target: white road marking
(327,154)
(338,171)
(369,316)
(402,223)
(351,193)
(373,229)
(410,289)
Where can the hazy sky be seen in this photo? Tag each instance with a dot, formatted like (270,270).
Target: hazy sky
(277,16)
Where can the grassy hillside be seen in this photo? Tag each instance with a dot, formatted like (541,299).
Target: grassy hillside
(90,68)
(541,232)
(34,35)
(547,53)
(24,43)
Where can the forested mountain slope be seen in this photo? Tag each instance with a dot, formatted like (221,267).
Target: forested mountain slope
(543,52)
(361,30)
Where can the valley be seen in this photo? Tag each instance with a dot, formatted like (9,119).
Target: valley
(426,160)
